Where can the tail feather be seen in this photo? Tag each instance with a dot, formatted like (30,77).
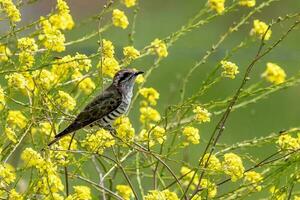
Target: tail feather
(68,130)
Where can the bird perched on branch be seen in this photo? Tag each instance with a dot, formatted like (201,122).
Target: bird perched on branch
(106,107)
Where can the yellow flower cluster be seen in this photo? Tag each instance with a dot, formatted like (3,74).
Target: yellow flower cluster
(129,3)
(213,164)
(11,135)
(4,53)
(201,114)
(274,73)
(65,101)
(161,195)
(140,79)
(14,195)
(150,94)
(2,99)
(159,47)
(149,114)
(230,69)
(15,119)
(188,174)
(80,193)
(17,81)
(44,78)
(254,178)
(130,53)
(52,38)
(50,182)
(124,191)
(119,19)
(108,65)
(287,142)
(278,193)
(62,67)
(7,174)
(28,47)
(44,128)
(151,136)
(247,3)
(98,141)
(11,10)
(260,29)
(62,19)
(86,85)
(210,187)
(191,134)
(217,5)
(124,129)
(233,166)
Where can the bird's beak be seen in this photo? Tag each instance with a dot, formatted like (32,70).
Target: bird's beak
(138,73)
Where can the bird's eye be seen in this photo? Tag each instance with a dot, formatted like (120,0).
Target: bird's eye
(125,77)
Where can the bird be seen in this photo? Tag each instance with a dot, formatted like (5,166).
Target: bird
(113,102)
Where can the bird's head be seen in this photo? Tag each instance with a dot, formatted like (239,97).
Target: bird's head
(125,78)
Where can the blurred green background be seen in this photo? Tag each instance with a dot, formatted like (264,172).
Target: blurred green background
(159,18)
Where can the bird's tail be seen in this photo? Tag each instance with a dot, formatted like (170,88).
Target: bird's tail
(60,135)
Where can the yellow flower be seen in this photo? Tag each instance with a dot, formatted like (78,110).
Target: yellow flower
(44,78)
(2,99)
(110,66)
(98,141)
(64,143)
(11,135)
(211,187)
(27,44)
(247,3)
(16,80)
(65,101)
(82,62)
(44,128)
(201,114)
(52,38)
(150,94)
(26,60)
(149,114)
(233,166)
(213,163)
(119,19)
(130,53)
(191,134)
(7,174)
(124,129)
(49,183)
(16,118)
(32,158)
(140,79)
(254,178)
(62,20)
(188,174)
(14,195)
(161,195)
(278,194)
(11,10)
(259,29)
(159,47)
(124,191)
(217,5)
(81,193)
(4,53)
(287,142)
(129,3)
(159,134)
(108,49)
(87,86)
(274,73)
(230,69)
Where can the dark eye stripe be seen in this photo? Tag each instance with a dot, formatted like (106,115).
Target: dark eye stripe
(125,75)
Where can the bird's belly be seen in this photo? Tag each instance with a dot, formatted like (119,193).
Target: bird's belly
(110,117)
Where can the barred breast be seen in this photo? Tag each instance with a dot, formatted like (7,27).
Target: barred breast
(110,117)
